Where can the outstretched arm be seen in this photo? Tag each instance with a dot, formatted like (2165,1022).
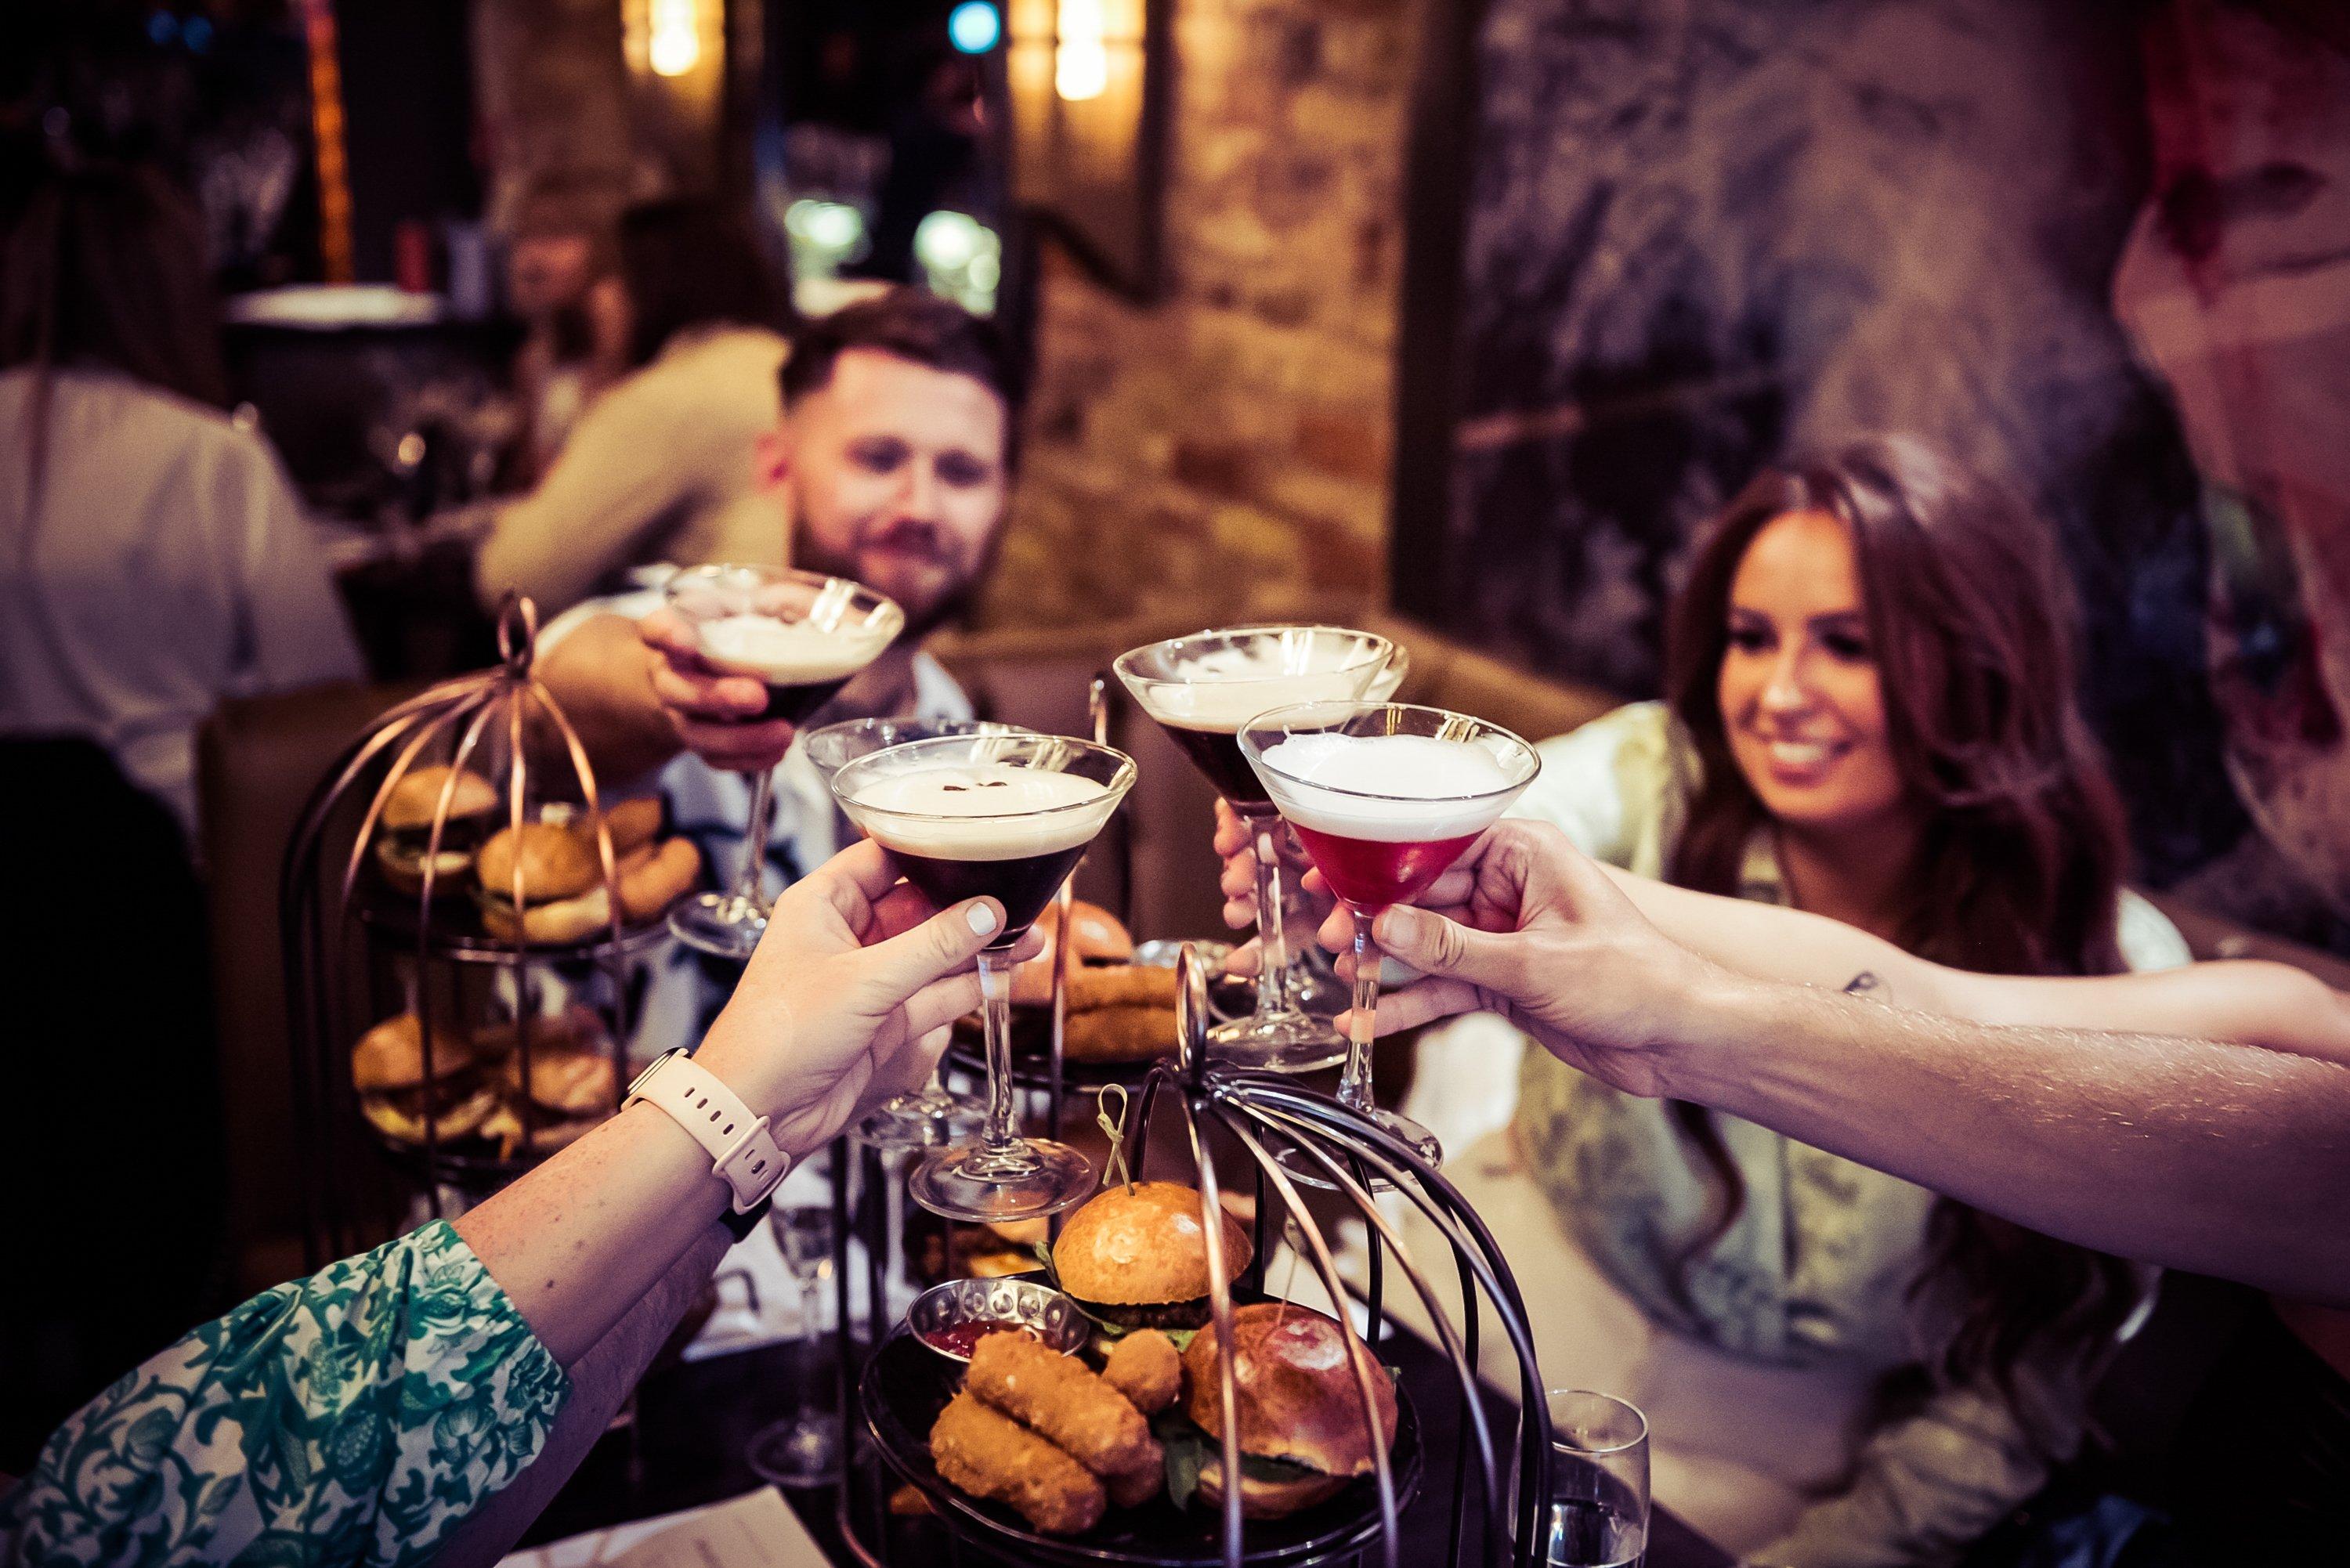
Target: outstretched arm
(2201,1154)
(2250,1002)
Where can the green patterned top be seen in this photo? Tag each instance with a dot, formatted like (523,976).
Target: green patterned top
(356,1417)
(1818,1266)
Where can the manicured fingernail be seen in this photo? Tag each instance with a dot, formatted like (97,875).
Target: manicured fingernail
(1399,926)
(981,918)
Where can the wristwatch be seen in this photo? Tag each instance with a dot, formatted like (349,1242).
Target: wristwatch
(742,1154)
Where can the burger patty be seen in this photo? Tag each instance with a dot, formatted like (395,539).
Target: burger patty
(1193,1313)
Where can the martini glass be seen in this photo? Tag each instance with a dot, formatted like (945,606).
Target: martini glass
(1385,796)
(1010,817)
(934,1114)
(1202,689)
(803,634)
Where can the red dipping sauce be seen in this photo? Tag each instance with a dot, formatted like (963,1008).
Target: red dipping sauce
(963,1338)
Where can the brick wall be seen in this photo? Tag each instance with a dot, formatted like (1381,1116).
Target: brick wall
(1226,451)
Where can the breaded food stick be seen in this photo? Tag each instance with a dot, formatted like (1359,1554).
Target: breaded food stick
(1061,1398)
(1147,1368)
(990,1456)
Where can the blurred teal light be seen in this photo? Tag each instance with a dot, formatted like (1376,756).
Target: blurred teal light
(974,27)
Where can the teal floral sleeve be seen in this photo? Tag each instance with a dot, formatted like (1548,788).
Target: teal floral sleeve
(356,1417)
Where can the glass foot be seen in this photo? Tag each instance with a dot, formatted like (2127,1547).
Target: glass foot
(801,1451)
(927,1120)
(724,925)
(1307,1172)
(1031,1178)
(1287,1042)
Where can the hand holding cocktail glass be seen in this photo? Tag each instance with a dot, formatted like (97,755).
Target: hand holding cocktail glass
(802,636)
(1385,796)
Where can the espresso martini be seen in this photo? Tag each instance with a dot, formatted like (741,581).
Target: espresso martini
(1385,797)
(984,830)
(804,635)
(1201,689)
(803,664)
(1007,817)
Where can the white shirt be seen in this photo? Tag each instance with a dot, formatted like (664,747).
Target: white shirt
(712,806)
(169,567)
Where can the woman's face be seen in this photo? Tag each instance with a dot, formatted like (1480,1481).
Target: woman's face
(1800,701)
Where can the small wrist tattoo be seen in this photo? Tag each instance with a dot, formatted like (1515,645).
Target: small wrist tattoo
(1865,984)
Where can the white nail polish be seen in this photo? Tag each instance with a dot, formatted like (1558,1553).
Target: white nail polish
(981,918)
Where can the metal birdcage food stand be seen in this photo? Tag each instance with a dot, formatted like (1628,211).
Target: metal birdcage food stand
(1262,1114)
(356,948)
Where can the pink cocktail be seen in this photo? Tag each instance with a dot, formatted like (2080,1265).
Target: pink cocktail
(1385,796)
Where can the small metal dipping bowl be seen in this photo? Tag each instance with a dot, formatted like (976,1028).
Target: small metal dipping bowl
(1045,1312)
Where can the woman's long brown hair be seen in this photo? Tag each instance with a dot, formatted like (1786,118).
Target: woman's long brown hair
(1969,620)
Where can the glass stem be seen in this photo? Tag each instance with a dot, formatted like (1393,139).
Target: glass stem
(804,1406)
(995,1011)
(1273,942)
(1355,1083)
(754,838)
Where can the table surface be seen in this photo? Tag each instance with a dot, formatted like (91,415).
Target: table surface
(693,1422)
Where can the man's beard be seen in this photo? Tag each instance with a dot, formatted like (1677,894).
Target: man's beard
(923,619)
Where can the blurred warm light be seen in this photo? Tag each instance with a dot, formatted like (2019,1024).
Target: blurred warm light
(1081,54)
(675,45)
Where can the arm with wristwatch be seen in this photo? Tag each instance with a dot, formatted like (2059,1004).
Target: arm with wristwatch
(424,1399)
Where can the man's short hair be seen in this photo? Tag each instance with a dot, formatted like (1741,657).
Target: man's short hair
(910,324)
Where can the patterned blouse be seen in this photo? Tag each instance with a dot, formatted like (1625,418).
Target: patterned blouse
(356,1417)
(1819,1263)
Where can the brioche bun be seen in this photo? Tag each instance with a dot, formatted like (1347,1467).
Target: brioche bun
(1138,1257)
(568,1080)
(1295,1400)
(416,797)
(1099,936)
(555,863)
(389,1057)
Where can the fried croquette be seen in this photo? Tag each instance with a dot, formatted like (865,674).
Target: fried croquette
(1147,1368)
(1059,1396)
(988,1455)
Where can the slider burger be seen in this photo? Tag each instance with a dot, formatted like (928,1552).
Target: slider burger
(1137,1257)
(404,831)
(398,1097)
(571,1086)
(564,898)
(1300,1409)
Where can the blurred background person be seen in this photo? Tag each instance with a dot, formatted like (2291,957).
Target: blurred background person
(563,284)
(155,564)
(664,467)
(158,561)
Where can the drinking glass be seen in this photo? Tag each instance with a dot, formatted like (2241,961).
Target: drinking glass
(1385,796)
(804,1447)
(1595,1510)
(1008,816)
(805,636)
(933,1113)
(1200,690)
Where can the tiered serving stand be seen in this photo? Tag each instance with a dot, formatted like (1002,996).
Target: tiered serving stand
(357,949)
(900,1386)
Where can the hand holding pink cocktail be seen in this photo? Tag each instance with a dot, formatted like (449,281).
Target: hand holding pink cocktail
(1385,796)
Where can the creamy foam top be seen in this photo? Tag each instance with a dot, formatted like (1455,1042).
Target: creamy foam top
(1412,774)
(788,653)
(972,811)
(1223,688)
